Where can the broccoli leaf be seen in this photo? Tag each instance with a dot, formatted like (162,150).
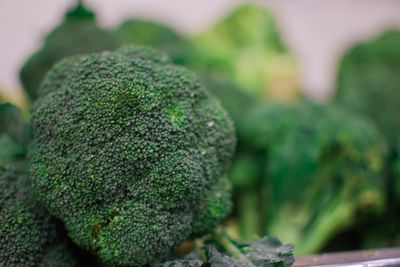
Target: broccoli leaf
(266,252)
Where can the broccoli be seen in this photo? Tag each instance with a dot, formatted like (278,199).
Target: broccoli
(244,173)
(322,165)
(77,34)
(369,82)
(148,33)
(29,235)
(246,48)
(131,152)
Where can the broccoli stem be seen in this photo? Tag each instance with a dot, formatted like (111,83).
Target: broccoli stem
(328,224)
(248,214)
(222,239)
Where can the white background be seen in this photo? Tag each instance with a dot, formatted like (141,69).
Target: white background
(316,30)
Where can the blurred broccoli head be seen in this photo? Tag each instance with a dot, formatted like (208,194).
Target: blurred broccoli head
(131,153)
(369,82)
(246,48)
(77,34)
(153,34)
(323,166)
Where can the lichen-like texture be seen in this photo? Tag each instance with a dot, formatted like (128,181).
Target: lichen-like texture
(77,34)
(28,234)
(131,153)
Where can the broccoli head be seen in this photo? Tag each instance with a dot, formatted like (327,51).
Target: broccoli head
(322,166)
(28,233)
(369,82)
(246,48)
(131,152)
(29,236)
(141,32)
(77,34)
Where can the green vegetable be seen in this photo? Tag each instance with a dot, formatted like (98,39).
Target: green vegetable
(29,235)
(77,34)
(244,173)
(266,252)
(246,48)
(369,82)
(148,33)
(131,152)
(322,166)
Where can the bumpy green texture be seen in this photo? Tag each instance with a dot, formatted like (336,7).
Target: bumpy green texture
(77,34)
(131,153)
(369,82)
(322,165)
(246,48)
(149,33)
(28,234)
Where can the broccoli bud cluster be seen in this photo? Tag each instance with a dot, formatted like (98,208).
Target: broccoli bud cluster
(131,152)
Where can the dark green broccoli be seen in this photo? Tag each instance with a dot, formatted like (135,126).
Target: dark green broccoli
(77,34)
(322,165)
(369,82)
(246,48)
(28,234)
(148,33)
(131,152)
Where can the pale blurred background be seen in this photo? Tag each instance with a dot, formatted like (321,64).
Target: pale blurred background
(316,31)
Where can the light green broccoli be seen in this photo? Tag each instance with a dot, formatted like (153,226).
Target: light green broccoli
(131,152)
(246,48)
(77,34)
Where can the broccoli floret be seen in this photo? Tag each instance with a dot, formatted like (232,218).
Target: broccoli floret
(246,48)
(130,152)
(369,82)
(322,165)
(148,33)
(77,34)
(29,235)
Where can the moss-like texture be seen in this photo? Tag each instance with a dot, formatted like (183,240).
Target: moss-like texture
(131,153)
